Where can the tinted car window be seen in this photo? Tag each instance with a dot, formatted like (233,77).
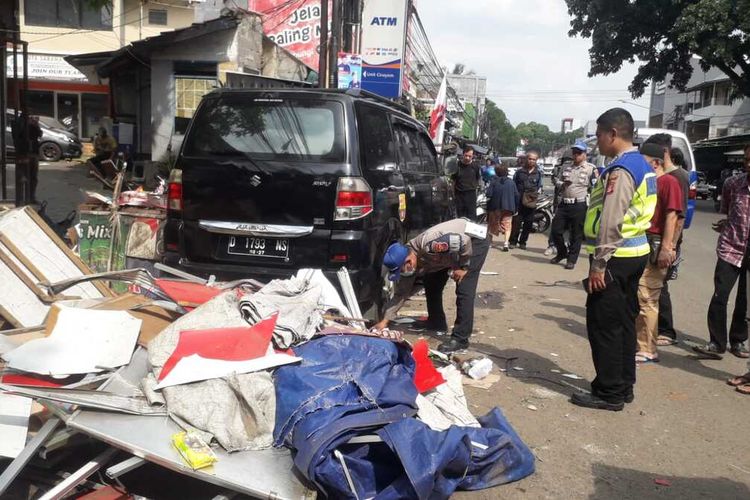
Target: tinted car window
(376,143)
(408,144)
(270,129)
(429,161)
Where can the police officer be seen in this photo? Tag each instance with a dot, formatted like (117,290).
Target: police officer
(431,256)
(573,183)
(621,207)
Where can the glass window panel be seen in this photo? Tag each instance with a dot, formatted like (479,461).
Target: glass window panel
(93,107)
(40,12)
(375,138)
(157,17)
(40,102)
(309,130)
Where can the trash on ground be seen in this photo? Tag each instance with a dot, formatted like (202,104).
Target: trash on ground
(404,321)
(532,407)
(194,450)
(426,376)
(477,368)
(572,376)
(663,482)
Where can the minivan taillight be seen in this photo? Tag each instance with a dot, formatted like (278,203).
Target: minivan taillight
(353,199)
(174,198)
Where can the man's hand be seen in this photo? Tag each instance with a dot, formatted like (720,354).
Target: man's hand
(381,326)
(666,258)
(719,226)
(596,281)
(458,275)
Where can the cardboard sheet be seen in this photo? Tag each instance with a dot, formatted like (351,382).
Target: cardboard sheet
(82,341)
(14,423)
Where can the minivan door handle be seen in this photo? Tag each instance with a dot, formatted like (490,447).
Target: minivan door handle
(398,189)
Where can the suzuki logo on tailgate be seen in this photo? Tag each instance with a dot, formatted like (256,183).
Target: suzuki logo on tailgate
(255,181)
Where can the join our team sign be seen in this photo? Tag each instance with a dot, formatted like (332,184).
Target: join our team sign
(383,37)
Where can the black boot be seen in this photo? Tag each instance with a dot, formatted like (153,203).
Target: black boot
(453,345)
(591,401)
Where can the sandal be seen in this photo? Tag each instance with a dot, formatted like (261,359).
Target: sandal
(664,341)
(641,359)
(740,380)
(743,389)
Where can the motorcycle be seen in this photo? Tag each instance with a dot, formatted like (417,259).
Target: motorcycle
(543,213)
(545,209)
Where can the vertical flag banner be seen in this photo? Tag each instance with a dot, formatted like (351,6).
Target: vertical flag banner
(383,39)
(437,117)
(294,25)
(350,70)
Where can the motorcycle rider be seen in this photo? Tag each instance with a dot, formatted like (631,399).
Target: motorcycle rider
(574,184)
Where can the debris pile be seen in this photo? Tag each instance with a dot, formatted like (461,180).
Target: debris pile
(270,390)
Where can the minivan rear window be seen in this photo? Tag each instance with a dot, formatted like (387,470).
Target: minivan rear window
(269,129)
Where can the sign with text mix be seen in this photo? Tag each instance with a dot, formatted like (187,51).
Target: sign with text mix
(383,37)
(294,25)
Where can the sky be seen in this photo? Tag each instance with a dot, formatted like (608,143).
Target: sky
(534,71)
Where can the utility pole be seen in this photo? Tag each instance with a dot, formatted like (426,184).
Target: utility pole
(337,25)
(323,48)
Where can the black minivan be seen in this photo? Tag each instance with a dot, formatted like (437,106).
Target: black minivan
(271,181)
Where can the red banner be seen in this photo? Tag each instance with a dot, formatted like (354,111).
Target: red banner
(292,24)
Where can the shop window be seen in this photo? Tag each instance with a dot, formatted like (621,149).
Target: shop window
(93,108)
(40,102)
(188,94)
(67,14)
(157,17)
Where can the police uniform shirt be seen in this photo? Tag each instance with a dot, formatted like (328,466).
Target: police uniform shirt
(578,179)
(442,247)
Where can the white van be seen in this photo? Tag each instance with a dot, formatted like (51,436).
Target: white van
(679,141)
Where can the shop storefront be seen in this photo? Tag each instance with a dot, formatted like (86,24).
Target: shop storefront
(59,90)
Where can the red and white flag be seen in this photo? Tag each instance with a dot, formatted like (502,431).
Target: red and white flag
(437,117)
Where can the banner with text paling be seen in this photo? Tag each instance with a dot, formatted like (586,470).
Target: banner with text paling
(294,25)
(383,38)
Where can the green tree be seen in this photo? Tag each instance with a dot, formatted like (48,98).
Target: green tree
(540,137)
(663,36)
(502,135)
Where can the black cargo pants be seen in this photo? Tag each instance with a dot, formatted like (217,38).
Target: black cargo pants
(466,292)
(610,323)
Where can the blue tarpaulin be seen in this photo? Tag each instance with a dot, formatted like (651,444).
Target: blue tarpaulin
(349,386)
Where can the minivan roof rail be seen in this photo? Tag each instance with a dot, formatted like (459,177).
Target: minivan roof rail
(375,97)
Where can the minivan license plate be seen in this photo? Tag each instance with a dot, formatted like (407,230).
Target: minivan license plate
(258,247)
